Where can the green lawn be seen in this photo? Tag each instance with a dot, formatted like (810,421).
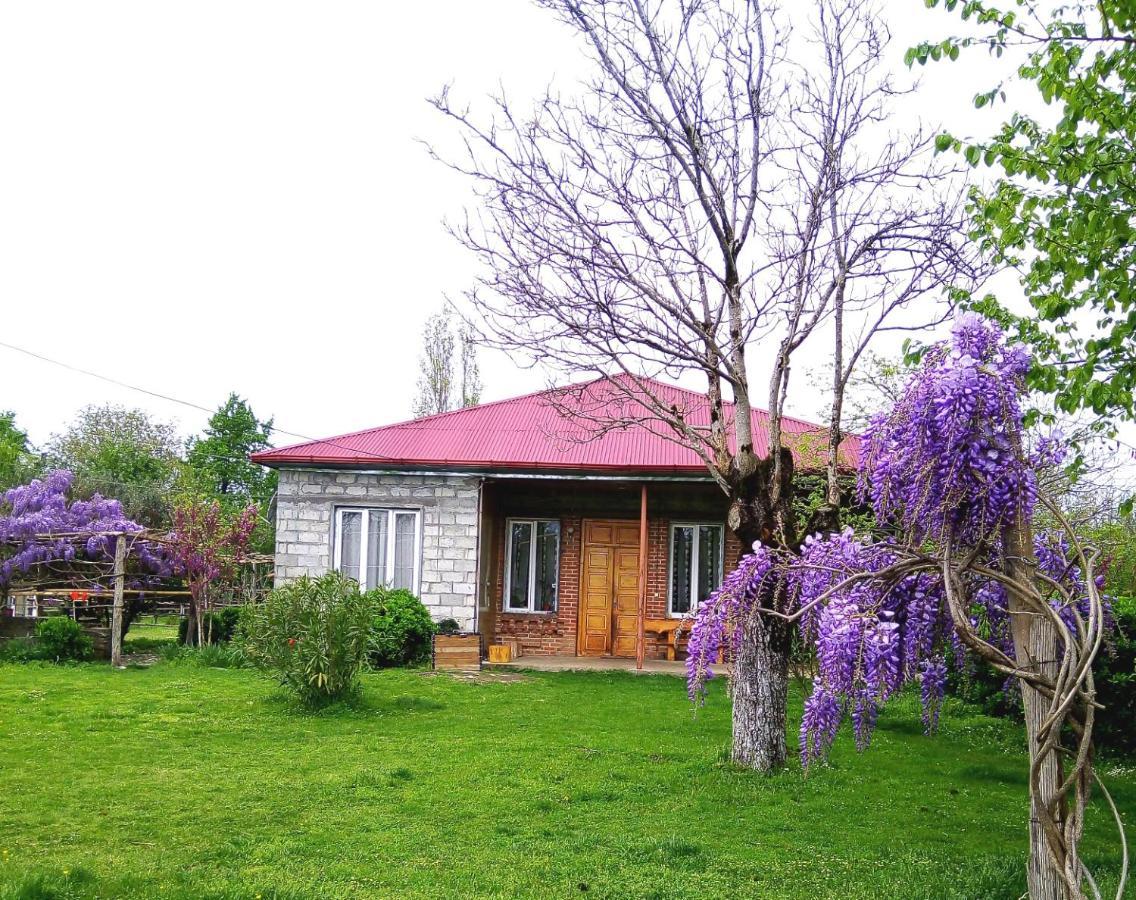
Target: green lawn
(181,781)
(146,631)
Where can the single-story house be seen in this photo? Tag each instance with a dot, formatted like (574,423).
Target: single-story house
(521,519)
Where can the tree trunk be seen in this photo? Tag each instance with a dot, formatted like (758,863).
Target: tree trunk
(759,683)
(759,689)
(191,639)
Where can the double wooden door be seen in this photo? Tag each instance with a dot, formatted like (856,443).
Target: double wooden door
(609,588)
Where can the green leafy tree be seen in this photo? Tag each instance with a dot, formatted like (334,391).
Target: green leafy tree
(18,462)
(220,460)
(1062,209)
(122,453)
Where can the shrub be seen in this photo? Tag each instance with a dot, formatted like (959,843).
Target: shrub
(60,639)
(448,626)
(220,625)
(402,629)
(1114,729)
(313,634)
(18,650)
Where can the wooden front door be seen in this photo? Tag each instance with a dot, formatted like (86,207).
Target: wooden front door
(609,589)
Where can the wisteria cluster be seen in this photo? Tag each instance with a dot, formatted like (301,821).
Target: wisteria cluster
(41,525)
(872,632)
(947,461)
(719,620)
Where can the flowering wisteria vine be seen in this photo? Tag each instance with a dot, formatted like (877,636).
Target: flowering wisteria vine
(954,488)
(872,634)
(41,525)
(945,465)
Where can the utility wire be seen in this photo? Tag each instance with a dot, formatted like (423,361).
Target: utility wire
(191,405)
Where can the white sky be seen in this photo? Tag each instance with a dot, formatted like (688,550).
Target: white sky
(198,198)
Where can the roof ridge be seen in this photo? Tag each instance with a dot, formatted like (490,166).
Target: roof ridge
(425,423)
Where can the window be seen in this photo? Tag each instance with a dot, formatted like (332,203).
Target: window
(696,565)
(378,547)
(532,565)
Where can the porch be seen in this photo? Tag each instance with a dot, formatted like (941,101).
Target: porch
(601,664)
(598,573)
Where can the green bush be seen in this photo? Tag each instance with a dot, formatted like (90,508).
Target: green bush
(220,625)
(61,639)
(18,650)
(402,629)
(449,626)
(313,634)
(1114,730)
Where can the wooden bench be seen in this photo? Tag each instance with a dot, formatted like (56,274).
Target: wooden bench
(668,631)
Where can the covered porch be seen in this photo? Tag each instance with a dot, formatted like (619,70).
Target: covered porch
(598,569)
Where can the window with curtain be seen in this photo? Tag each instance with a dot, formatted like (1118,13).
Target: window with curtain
(532,564)
(378,546)
(696,565)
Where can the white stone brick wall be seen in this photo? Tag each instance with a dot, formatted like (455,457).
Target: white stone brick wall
(305,516)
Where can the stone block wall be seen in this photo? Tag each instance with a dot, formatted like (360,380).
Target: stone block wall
(305,517)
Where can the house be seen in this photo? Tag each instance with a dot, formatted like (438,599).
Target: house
(523,519)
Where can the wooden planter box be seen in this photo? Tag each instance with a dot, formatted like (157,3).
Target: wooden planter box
(457,652)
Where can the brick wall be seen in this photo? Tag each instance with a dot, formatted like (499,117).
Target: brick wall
(305,515)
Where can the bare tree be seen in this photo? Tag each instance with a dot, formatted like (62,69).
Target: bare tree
(438,389)
(703,194)
(470,371)
(436,381)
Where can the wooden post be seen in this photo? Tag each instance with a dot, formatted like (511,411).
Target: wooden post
(642,576)
(116,612)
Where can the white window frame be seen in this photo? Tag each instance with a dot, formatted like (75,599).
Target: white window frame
(364,538)
(529,611)
(671,614)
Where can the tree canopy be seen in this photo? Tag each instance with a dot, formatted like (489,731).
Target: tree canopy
(18,462)
(1062,209)
(220,460)
(124,453)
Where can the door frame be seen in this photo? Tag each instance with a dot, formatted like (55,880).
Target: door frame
(581,613)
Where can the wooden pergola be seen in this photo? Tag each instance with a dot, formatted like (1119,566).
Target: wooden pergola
(75,580)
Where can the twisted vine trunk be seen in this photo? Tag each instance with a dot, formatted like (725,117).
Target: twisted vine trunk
(1036,650)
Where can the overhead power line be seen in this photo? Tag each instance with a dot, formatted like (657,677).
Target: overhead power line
(169,399)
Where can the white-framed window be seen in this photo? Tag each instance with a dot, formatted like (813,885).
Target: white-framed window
(695,565)
(532,565)
(378,546)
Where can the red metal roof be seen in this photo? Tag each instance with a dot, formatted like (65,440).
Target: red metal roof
(536,432)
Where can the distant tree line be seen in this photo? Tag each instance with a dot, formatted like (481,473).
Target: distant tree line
(130,455)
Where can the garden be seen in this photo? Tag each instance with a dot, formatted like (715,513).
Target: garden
(184,780)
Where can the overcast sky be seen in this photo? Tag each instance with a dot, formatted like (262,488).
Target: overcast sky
(213,196)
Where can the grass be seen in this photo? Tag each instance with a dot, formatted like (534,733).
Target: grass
(186,781)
